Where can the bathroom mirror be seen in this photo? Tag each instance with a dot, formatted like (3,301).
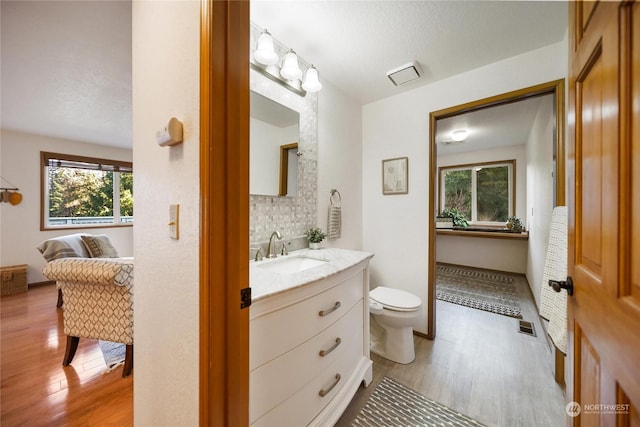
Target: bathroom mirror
(274,136)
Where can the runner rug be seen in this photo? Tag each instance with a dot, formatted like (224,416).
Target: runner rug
(392,404)
(479,289)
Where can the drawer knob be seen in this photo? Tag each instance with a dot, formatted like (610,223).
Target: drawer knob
(331,310)
(324,392)
(323,353)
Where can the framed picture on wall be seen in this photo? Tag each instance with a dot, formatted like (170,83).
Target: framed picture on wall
(395,176)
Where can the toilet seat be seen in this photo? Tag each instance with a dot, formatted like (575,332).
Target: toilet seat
(395,299)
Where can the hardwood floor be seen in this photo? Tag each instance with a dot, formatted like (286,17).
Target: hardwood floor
(481,366)
(35,388)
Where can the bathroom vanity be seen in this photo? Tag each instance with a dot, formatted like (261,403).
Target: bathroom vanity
(309,336)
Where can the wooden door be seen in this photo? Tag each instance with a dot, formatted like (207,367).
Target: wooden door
(603,387)
(224,212)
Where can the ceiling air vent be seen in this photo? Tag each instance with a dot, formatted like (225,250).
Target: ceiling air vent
(405,74)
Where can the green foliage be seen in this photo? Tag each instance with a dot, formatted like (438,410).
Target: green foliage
(85,193)
(315,235)
(493,193)
(457,189)
(515,224)
(458,218)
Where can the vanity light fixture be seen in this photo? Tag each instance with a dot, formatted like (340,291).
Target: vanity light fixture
(289,73)
(459,135)
(290,69)
(265,54)
(311,82)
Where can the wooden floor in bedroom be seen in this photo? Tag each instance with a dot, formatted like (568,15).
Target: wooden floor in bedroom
(480,365)
(35,389)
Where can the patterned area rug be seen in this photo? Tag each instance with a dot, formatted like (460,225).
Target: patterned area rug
(113,353)
(482,290)
(393,404)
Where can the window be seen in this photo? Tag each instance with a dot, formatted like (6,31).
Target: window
(80,192)
(483,192)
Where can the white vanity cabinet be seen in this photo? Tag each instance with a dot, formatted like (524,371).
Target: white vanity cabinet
(309,349)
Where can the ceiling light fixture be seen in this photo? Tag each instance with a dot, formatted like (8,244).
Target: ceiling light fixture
(266,57)
(459,135)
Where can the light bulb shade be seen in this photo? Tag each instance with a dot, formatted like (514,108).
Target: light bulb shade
(311,82)
(459,135)
(265,53)
(290,69)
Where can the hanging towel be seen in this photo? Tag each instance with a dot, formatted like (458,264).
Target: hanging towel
(553,305)
(334,222)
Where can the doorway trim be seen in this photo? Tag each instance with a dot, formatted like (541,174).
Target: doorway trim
(224,212)
(555,87)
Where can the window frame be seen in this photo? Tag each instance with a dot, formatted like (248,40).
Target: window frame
(474,167)
(115,166)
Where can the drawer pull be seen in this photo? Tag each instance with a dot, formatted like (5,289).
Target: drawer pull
(324,392)
(331,310)
(323,353)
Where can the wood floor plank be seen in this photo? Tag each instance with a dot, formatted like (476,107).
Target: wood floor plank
(35,389)
(480,365)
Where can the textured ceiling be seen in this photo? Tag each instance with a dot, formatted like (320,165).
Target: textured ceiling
(354,44)
(66,69)
(66,65)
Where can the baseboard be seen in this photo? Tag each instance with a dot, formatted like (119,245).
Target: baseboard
(420,334)
(47,282)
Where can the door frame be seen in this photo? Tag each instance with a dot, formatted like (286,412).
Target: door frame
(224,212)
(555,87)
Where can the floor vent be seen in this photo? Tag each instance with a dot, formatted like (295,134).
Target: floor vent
(526,328)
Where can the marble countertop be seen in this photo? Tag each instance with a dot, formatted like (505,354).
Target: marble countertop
(265,282)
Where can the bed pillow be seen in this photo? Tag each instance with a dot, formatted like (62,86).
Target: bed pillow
(70,246)
(99,246)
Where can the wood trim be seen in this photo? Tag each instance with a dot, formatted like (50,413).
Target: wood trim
(224,216)
(431,226)
(284,167)
(485,234)
(557,88)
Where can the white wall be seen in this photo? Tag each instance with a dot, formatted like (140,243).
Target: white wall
(266,139)
(165,84)
(340,163)
(540,191)
(395,227)
(20,224)
(494,254)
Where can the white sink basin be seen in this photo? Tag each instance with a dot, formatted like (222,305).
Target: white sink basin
(292,265)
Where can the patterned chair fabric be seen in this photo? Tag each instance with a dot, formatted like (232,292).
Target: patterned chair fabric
(98,297)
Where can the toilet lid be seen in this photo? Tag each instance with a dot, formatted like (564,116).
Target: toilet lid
(395,299)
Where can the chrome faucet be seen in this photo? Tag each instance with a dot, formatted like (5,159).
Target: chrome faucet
(271,253)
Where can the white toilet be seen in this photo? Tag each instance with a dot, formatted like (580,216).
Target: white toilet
(394,312)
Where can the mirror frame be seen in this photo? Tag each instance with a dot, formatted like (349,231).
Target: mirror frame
(557,88)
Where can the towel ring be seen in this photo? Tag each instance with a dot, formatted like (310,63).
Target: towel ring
(333,193)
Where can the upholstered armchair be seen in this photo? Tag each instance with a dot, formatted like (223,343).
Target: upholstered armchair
(98,301)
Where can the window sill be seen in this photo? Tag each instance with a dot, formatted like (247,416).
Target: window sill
(487,233)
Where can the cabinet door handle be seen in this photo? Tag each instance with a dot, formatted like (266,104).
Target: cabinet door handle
(331,310)
(324,392)
(323,353)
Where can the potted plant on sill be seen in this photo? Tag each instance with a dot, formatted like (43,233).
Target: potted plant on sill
(315,236)
(515,224)
(456,216)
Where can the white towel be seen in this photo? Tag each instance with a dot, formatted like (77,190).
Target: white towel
(334,223)
(553,305)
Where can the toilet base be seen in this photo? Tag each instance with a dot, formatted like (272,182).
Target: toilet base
(394,344)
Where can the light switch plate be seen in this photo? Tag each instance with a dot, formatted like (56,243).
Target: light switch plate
(174,221)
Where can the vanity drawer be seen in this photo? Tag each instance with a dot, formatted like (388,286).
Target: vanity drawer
(276,381)
(303,406)
(279,331)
